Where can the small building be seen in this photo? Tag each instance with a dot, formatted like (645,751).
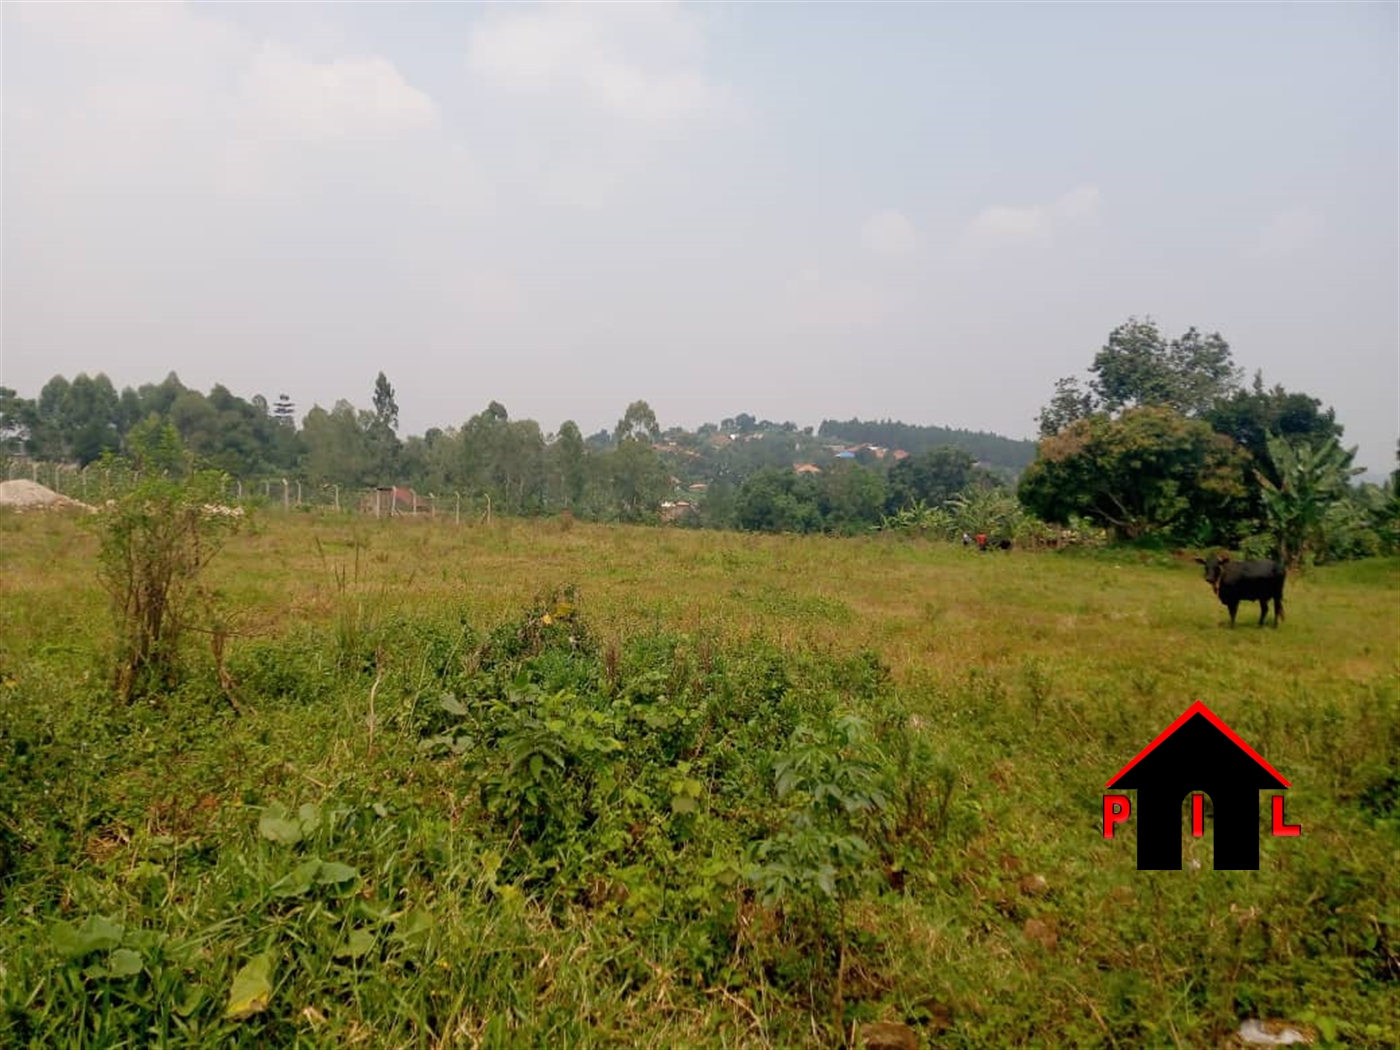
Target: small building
(387,501)
(807,468)
(675,510)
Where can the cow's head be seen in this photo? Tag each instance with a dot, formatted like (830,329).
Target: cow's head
(1215,569)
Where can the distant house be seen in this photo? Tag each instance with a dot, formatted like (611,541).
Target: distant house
(807,468)
(899,454)
(847,454)
(675,510)
(699,486)
(387,501)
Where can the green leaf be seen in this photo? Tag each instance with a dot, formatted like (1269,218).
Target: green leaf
(333,872)
(297,881)
(190,1002)
(359,942)
(452,705)
(310,816)
(251,989)
(94,935)
(277,825)
(124,963)
(415,926)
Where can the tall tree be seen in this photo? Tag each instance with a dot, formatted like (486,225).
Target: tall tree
(382,430)
(1070,403)
(1150,470)
(386,409)
(1140,366)
(931,478)
(639,422)
(337,448)
(566,455)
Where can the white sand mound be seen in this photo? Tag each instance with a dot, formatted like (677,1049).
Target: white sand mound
(23,494)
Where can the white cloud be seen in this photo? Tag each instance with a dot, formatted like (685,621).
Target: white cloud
(888,233)
(1001,223)
(348,96)
(639,62)
(1288,233)
(135,98)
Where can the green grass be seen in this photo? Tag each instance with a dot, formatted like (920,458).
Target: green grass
(648,822)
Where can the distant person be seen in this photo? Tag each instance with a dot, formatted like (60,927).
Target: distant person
(981,541)
(967,540)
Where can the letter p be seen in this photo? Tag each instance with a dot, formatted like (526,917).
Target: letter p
(1116,809)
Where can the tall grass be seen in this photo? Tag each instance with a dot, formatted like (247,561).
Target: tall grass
(730,790)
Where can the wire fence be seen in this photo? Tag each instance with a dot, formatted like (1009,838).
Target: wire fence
(96,484)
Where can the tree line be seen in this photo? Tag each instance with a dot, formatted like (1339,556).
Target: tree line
(1162,443)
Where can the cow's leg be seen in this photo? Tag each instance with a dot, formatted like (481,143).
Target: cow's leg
(1278,608)
(1234,607)
(1263,610)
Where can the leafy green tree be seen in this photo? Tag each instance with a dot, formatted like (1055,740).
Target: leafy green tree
(337,448)
(16,418)
(778,501)
(1313,482)
(75,421)
(386,409)
(930,477)
(639,480)
(851,498)
(567,468)
(197,422)
(638,422)
(1140,366)
(381,430)
(1070,403)
(518,472)
(1251,416)
(1148,471)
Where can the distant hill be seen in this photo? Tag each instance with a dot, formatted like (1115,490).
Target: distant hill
(986,448)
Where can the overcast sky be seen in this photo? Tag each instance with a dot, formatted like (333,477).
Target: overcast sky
(923,212)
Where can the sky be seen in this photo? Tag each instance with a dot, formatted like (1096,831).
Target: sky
(924,212)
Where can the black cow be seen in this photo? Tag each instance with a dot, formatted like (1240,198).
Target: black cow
(1246,581)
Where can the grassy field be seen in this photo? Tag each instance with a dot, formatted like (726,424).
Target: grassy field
(552,784)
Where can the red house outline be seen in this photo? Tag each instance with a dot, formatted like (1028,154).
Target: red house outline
(1213,719)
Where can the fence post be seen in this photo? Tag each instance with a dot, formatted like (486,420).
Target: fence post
(298,493)
(459,508)
(337,498)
